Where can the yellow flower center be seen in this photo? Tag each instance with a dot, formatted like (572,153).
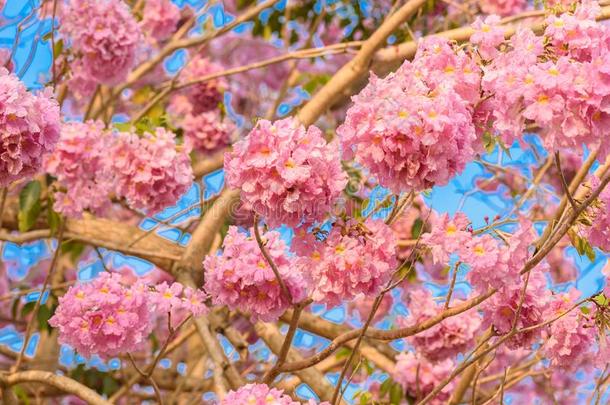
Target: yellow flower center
(479,250)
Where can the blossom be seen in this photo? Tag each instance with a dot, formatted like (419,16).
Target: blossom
(207,132)
(105,35)
(286,173)
(414,128)
(500,309)
(241,278)
(570,340)
(82,168)
(29,128)
(454,335)
(598,234)
(204,96)
(260,394)
(152,172)
(103,317)
(418,376)
(178,301)
(488,35)
(353,259)
(160,18)
(502,7)
(447,235)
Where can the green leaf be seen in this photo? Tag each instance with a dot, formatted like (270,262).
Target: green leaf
(417,228)
(342,353)
(44,314)
(53,217)
(123,126)
(385,387)
(396,394)
(74,249)
(366,398)
(29,206)
(21,394)
(58,48)
(110,386)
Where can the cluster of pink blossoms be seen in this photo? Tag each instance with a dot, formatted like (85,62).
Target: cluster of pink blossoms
(260,394)
(82,168)
(447,235)
(502,7)
(353,259)
(241,278)
(160,18)
(598,234)
(501,308)
(570,339)
(29,128)
(103,317)
(419,377)
(207,95)
(104,35)
(562,88)
(178,301)
(286,173)
(107,318)
(414,128)
(452,336)
(151,171)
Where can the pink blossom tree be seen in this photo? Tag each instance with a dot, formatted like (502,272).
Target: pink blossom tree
(330,123)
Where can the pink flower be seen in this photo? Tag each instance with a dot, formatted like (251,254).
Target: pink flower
(500,310)
(241,278)
(105,35)
(354,259)
(419,376)
(29,129)
(82,168)
(445,340)
(207,95)
(260,394)
(447,236)
(286,173)
(571,339)
(502,7)
(488,36)
(414,128)
(104,317)
(178,301)
(160,18)
(598,234)
(207,132)
(152,172)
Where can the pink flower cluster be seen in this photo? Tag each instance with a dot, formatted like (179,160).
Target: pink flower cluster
(414,128)
(260,394)
(107,317)
(418,377)
(151,171)
(452,336)
(207,95)
(178,301)
(598,234)
(447,235)
(353,259)
(105,35)
(562,88)
(82,168)
(103,317)
(502,7)
(29,128)
(500,310)
(570,340)
(286,173)
(207,132)
(241,278)
(160,18)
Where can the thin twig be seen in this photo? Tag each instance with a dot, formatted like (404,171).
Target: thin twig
(269,260)
(452,286)
(564,183)
(34,315)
